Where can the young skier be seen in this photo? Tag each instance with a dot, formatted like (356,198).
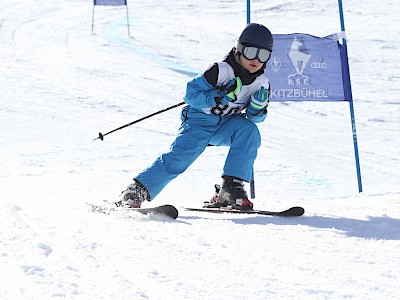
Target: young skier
(222,106)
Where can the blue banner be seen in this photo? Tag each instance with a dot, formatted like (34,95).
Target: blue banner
(308,68)
(110,2)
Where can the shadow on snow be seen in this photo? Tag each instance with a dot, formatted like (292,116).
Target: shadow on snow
(379,228)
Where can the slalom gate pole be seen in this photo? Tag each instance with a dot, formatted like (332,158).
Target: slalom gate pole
(252,186)
(252,183)
(101,136)
(353,122)
(248,11)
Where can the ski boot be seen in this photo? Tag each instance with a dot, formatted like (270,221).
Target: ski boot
(231,194)
(134,195)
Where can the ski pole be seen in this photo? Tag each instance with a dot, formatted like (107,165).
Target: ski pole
(101,136)
(252,186)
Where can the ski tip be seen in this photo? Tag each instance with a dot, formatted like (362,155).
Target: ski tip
(167,210)
(295,211)
(170,211)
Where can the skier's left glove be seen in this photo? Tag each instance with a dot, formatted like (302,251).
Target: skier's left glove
(233,88)
(228,93)
(259,101)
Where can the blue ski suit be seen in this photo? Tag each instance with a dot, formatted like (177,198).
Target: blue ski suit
(218,125)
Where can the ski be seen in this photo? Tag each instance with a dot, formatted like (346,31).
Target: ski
(164,210)
(295,211)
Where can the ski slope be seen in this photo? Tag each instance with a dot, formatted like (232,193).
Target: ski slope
(61,85)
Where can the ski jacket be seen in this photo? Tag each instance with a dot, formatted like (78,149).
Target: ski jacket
(198,92)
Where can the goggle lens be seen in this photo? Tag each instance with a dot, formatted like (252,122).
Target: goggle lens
(251,53)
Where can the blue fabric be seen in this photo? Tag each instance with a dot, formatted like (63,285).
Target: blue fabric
(196,132)
(348,95)
(109,2)
(306,68)
(200,94)
(256,116)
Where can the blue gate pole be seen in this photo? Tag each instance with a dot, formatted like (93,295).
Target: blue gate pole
(252,185)
(127,19)
(353,120)
(248,11)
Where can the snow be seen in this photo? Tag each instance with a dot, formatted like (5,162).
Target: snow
(60,85)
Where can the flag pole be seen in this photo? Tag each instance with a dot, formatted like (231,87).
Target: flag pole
(248,11)
(350,100)
(127,18)
(93,16)
(252,184)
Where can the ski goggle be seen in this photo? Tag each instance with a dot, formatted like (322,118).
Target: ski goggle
(250,53)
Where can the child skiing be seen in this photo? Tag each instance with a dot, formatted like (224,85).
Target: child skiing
(222,106)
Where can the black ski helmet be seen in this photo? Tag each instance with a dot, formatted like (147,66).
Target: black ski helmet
(256,35)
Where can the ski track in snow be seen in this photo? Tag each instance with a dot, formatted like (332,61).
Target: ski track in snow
(61,85)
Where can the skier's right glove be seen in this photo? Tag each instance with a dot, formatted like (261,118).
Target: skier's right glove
(227,93)
(259,101)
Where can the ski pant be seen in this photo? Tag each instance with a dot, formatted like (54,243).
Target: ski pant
(197,131)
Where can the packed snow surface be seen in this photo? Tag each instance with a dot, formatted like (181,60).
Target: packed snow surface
(61,85)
